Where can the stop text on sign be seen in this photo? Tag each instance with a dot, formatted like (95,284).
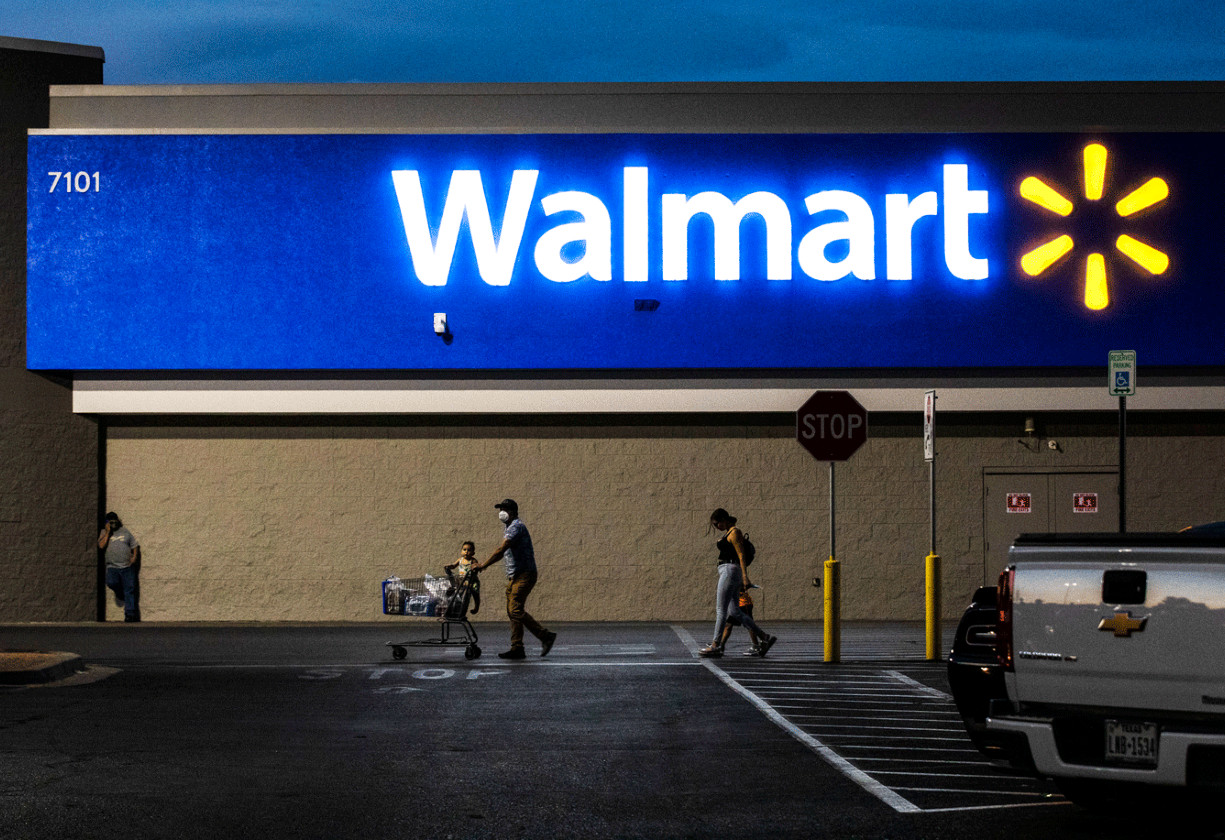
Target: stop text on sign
(830,426)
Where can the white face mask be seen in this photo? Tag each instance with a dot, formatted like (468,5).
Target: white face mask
(504,516)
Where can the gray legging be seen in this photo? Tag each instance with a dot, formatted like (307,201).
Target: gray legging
(727,606)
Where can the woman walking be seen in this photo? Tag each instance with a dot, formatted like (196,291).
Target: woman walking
(733,579)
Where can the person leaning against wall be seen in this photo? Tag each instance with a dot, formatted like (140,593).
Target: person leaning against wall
(122,554)
(520,559)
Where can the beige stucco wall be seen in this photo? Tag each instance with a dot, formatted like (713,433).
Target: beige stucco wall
(302,524)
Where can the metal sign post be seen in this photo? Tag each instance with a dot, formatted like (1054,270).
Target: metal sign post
(832,425)
(832,613)
(1122,384)
(931,564)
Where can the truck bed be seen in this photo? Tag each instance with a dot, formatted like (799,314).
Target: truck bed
(1120,621)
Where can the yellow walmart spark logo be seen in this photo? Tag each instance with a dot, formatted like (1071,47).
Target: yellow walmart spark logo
(1151,193)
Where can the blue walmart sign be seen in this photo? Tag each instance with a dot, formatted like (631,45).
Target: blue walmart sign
(334,252)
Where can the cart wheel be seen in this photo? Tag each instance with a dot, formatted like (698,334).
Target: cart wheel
(472,652)
(398,652)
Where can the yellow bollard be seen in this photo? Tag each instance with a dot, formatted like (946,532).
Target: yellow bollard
(932,607)
(833,611)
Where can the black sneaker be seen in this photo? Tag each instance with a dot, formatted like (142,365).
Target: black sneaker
(766,644)
(513,653)
(546,644)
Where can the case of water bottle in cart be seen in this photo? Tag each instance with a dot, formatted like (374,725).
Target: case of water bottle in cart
(444,599)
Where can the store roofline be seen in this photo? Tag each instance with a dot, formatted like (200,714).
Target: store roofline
(34,45)
(629,88)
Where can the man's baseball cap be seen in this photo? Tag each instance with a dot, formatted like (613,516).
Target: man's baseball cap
(507,504)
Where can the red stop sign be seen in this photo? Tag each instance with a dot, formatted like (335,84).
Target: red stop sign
(831,425)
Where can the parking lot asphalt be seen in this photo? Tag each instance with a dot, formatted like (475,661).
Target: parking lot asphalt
(625,720)
(35,653)
(622,731)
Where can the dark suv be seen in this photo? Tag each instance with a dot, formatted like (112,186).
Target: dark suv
(977,678)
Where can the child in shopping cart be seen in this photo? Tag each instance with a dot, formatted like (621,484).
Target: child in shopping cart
(465,564)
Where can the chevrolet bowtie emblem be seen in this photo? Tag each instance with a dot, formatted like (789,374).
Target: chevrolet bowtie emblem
(1123,624)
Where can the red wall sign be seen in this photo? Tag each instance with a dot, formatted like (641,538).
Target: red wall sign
(1020,503)
(1084,503)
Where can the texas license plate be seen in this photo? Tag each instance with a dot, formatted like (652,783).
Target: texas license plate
(1132,743)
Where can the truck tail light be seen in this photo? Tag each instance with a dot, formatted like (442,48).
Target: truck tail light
(1003,638)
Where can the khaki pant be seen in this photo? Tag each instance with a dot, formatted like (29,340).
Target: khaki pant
(517,590)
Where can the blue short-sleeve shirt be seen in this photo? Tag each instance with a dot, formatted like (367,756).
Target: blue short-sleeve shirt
(519,556)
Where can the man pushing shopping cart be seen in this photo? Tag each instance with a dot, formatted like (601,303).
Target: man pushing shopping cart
(520,560)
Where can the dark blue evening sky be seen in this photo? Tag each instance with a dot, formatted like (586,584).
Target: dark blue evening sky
(225,41)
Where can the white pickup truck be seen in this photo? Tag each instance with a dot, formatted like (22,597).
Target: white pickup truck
(1112,652)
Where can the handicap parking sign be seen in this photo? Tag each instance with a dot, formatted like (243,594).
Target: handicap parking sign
(1122,373)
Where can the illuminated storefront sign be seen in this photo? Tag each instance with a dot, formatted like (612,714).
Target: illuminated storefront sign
(433,247)
(334,252)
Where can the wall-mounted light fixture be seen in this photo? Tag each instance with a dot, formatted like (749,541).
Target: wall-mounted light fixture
(1029,435)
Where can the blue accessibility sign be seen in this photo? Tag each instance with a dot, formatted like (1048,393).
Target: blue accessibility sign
(1122,381)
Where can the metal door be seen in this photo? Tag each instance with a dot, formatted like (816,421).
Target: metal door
(1014,503)
(1044,502)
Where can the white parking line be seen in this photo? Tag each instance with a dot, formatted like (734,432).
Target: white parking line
(973,790)
(814,676)
(880,791)
(875,737)
(932,715)
(995,807)
(918,686)
(788,679)
(907,750)
(938,775)
(851,690)
(913,723)
(825,692)
(538,663)
(604,650)
(867,707)
(866,759)
(858,726)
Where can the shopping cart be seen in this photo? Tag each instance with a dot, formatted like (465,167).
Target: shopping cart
(444,599)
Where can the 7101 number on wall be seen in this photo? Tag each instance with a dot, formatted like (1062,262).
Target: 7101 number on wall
(75,181)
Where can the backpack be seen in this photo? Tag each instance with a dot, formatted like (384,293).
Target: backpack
(746,546)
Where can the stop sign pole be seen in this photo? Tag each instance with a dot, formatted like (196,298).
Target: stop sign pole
(832,425)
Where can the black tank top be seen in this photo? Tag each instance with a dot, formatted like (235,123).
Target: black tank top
(727,551)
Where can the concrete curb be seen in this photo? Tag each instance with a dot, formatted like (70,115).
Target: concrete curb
(30,667)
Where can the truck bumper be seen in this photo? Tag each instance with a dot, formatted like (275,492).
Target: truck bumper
(1171,766)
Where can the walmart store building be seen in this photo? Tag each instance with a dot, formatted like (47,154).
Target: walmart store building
(320,330)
